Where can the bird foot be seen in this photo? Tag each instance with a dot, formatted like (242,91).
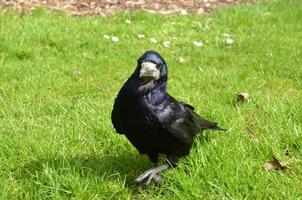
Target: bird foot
(148,176)
(151,175)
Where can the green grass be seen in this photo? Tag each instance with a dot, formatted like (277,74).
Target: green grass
(59,78)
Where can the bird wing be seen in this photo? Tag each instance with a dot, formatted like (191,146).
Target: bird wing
(180,120)
(187,105)
(116,119)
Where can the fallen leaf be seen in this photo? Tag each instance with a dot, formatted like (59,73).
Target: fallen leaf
(287,152)
(140,36)
(229,41)
(274,164)
(208,5)
(242,96)
(107,37)
(200,69)
(200,11)
(267,13)
(181,60)
(197,43)
(183,12)
(153,40)
(114,39)
(76,72)
(166,44)
(251,132)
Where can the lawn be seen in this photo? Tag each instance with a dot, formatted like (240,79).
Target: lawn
(59,77)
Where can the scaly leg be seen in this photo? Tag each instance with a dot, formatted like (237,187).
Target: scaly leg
(152,174)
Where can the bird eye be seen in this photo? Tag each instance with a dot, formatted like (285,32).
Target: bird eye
(158,66)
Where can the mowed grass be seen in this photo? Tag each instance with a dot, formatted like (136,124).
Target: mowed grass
(59,78)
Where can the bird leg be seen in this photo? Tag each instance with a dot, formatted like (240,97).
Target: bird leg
(152,174)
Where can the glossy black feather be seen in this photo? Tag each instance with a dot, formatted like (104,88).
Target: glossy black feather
(152,120)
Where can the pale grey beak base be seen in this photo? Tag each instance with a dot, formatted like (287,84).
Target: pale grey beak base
(149,70)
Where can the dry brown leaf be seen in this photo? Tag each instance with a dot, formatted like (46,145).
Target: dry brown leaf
(251,132)
(274,164)
(76,72)
(287,152)
(242,96)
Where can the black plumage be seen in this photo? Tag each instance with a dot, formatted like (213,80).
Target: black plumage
(153,121)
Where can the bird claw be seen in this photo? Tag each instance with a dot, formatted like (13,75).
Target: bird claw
(147,177)
(152,175)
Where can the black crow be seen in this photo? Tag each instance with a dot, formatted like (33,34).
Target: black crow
(152,120)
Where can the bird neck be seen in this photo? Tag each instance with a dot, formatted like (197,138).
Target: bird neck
(157,94)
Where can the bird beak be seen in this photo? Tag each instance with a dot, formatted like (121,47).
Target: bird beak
(149,71)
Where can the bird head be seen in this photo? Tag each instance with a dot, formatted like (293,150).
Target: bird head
(152,67)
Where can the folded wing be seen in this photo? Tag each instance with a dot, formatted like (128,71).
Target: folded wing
(182,122)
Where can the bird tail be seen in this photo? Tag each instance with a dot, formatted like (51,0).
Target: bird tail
(204,124)
(216,127)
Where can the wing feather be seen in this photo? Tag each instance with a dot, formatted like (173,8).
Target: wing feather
(180,120)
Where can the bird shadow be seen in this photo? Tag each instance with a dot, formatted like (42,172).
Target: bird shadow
(122,167)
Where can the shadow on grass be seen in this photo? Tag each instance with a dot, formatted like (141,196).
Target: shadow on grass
(104,167)
(125,166)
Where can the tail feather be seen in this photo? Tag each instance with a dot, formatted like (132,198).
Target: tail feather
(203,124)
(216,127)
(206,124)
